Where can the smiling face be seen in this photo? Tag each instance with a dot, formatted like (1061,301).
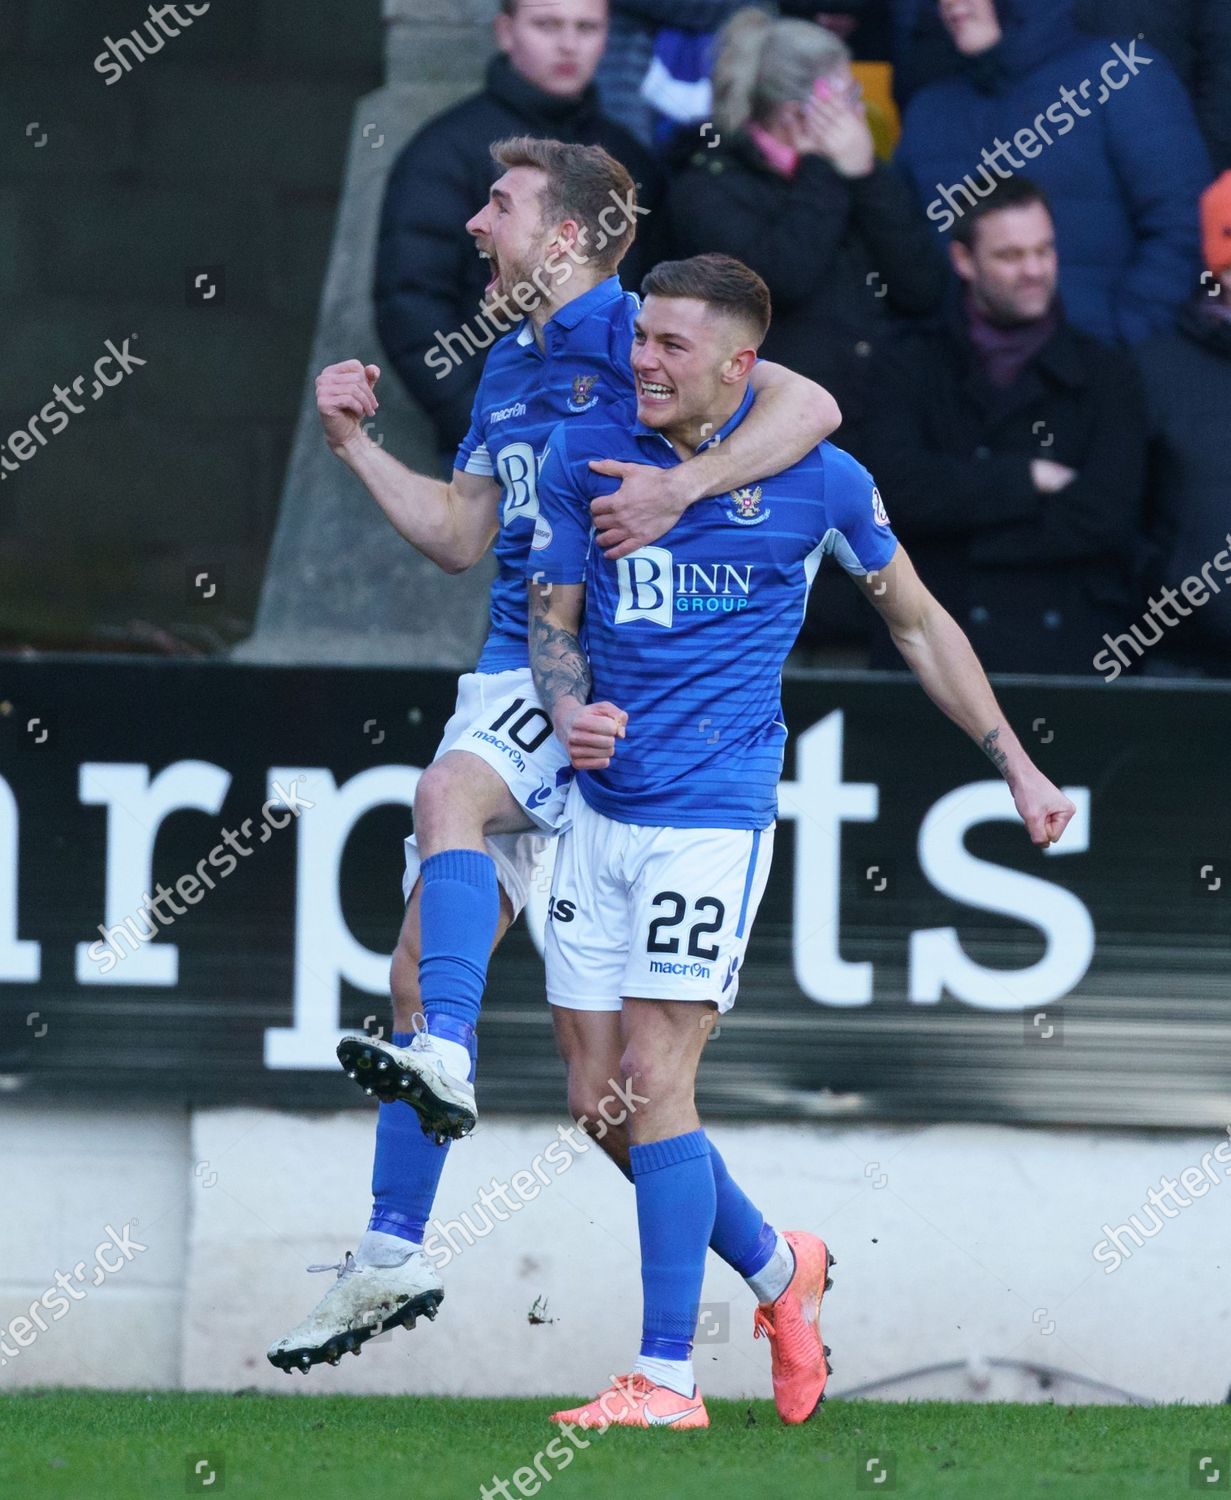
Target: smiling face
(1011,267)
(510,230)
(555,44)
(691,364)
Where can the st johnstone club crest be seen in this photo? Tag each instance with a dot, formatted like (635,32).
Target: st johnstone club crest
(581,399)
(745,507)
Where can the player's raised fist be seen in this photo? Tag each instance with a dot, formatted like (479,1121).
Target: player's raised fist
(345,399)
(1043,807)
(591,733)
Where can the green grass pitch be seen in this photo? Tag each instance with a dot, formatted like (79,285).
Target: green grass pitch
(77,1445)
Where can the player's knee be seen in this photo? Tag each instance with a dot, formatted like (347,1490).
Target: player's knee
(654,1077)
(452,803)
(438,785)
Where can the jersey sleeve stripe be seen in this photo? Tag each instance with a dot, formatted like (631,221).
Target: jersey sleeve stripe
(480,461)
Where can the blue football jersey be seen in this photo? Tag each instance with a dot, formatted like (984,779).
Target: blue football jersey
(689,635)
(524,393)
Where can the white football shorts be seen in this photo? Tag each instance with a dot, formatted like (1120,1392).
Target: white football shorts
(499,718)
(650,913)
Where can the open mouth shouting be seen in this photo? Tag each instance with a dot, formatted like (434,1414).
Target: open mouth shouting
(490,256)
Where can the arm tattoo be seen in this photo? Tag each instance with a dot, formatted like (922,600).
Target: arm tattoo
(993,751)
(557,661)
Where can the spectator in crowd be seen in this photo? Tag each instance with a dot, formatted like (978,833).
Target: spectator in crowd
(655,73)
(792,188)
(1187,378)
(429,279)
(1010,449)
(1112,138)
(864,26)
(1195,37)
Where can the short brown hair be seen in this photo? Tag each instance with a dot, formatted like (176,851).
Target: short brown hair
(721,281)
(583,183)
(1009,192)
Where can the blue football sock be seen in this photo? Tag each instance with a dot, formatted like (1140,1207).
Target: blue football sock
(741,1235)
(459,912)
(407,1166)
(674,1181)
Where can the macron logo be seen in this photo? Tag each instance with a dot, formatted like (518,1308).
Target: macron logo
(505,412)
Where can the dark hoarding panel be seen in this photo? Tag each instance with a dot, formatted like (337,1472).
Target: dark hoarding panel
(914,957)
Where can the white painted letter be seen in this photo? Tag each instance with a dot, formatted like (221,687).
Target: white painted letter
(19,961)
(820,802)
(326,951)
(136,808)
(937,961)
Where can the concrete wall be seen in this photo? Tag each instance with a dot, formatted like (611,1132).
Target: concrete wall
(224,148)
(955,1244)
(66,1175)
(341,586)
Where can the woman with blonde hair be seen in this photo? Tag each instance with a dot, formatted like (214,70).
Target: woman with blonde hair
(788,182)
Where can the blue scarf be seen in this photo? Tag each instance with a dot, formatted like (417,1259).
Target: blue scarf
(677,84)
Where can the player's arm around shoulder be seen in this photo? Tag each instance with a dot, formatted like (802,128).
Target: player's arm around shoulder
(936,649)
(797,413)
(790,417)
(452,523)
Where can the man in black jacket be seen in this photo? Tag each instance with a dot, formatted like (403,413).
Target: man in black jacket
(429,280)
(1011,453)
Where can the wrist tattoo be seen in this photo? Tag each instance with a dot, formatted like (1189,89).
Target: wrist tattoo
(557,662)
(993,751)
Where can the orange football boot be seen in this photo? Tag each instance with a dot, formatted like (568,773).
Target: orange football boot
(635,1401)
(793,1326)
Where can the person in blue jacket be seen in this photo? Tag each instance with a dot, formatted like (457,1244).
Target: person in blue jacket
(1104,127)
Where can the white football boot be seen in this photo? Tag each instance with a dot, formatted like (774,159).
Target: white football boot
(363,1302)
(416,1074)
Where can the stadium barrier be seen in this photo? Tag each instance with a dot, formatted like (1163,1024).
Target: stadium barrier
(200,873)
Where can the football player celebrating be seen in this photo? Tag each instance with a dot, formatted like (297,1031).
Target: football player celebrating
(558,221)
(664,862)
